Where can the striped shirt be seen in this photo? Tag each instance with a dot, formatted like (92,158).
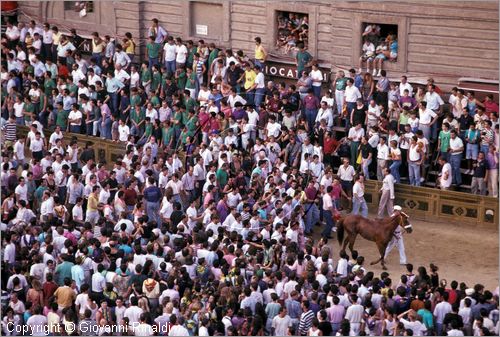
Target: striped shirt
(305,322)
(10,130)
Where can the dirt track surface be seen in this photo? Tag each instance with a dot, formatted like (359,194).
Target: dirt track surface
(465,253)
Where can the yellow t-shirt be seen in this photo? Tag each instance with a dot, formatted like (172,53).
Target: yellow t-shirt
(97,48)
(249,78)
(130,49)
(56,38)
(259,53)
(92,203)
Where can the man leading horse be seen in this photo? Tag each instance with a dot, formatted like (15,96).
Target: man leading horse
(386,233)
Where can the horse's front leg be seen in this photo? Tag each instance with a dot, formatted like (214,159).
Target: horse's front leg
(381,249)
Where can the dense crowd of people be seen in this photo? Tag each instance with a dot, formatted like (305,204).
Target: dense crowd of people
(206,224)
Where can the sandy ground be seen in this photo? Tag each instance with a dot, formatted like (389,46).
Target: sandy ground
(464,253)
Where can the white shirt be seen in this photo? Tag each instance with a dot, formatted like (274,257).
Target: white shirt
(327,115)
(373,110)
(259,80)
(358,190)
(133,313)
(22,191)
(388,185)
(19,150)
(382,152)
(74,115)
(456,144)
(433,100)
(169,50)
(181,53)
(273,129)
(351,94)
(327,202)
(316,75)
(123,131)
(426,116)
(135,79)
(356,135)
(346,174)
(446,169)
(402,88)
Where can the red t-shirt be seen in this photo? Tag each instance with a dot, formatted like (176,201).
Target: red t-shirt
(329,145)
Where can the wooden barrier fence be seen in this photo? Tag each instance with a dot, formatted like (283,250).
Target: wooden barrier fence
(436,205)
(421,202)
(105,150)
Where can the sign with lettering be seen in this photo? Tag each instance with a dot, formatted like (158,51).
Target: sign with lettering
(201,30)
(288,70)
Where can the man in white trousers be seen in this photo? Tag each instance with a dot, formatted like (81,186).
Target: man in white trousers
(397,240)
(387,197)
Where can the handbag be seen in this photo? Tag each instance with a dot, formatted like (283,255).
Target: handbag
(359,160)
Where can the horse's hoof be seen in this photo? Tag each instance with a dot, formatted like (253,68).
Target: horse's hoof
(384,267)
(372,263)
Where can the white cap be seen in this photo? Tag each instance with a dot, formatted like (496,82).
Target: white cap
(469,291)
(397,208)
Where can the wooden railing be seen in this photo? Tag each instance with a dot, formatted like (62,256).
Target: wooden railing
(436,205)
(421,202)
(105,150)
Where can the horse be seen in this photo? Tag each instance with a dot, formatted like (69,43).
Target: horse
(380,231)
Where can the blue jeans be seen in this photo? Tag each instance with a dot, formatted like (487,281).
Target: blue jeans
(358,204)
(170,65)
(259,97)
(455,161)
(414,172)
(445,155)
(312,216)
(74,128)
(153,211)
(152,61)
(311,117)
(114,101)
(259,63)
(98,58)
(339,99)
(20,120)
(317,91)
(350,107)
(105,131)
(250,96)
(395,170)
(328,217)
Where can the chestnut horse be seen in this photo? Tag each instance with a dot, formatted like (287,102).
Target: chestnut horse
(380,231)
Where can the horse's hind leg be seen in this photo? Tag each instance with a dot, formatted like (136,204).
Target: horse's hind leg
(346,241)
(352,239)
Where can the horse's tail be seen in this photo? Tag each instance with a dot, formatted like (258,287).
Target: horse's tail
(340,230)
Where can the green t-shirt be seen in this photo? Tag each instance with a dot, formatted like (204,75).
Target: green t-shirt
(155,83)
(341,83)
(191,84)
(190,104)
(62,119)
(134,100)
(73,89)
(213,55)
(148,130)
(221,177)
(155,101)
(191,123)
(302,58)
(145,75)
(181,80)
(167,135)
(49,85)
(190,56)
(403,118)
(28,107)
(153,49)
(444,138)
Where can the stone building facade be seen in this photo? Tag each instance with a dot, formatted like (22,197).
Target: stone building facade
(446,40)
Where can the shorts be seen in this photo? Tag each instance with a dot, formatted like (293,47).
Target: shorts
(394,55)
(381,56)
(471,151)
(366,58)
